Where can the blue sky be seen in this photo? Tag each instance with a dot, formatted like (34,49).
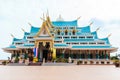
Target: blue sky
(15,14)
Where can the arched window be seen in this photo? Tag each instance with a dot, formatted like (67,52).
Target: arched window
(73,32)
(58,32)
(66,32)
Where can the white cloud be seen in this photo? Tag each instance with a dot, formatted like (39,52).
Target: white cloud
(15,15)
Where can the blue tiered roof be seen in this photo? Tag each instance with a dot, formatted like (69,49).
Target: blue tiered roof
(106,40)
(15,39)
(34,29)
(78,40)
(26,33)
(95,34)
(61,45)
(64,23)
(12,46)
(85,29)
(21,40)
(81,31)
(24,40)
(66,42)
(91,47)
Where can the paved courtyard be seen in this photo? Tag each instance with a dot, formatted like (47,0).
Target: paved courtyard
(81,72)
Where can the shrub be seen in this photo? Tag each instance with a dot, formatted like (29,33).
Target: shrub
(4,62)
(108,62)
(61,60)
(16,60)
(79,62)
(85,62)
(102,62)
(72,61)
(54,59)
(91,62)
(117,64)
(97,62)
(114,58)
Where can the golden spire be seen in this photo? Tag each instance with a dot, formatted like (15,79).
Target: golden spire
(47,16)
(91,23)
(109,35)
(23,30)
(29,23)
(97,29)
(12,35)
(78,18)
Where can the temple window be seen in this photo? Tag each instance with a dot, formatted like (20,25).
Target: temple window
(59,37)
(58,32)
(73,32)
(83,43)
(31,41)
(18,43)
(90,37)
(72,28)
(66,37)
(67,43)
(74,37)
(101,43)
(92,42)
(66,32)
(52,34)
(58,41)
(65,28)
(29,37)
(76,43)
(58,28)
(82,37)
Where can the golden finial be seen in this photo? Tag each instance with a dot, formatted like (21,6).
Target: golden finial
(12,35)
(109,35)
(23,30)
(91,23)
(97,29)
(29,23)
(78,18)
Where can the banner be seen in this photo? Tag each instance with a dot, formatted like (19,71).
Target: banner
(35,51)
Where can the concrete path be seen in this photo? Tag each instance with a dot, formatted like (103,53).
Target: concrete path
(58,64)
(45,64)
(16,64)
(81,72)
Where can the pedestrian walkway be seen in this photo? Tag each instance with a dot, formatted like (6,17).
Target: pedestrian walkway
(58,64)
(16,64)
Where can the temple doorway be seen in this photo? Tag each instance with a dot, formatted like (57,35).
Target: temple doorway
(45,54)
(44,51)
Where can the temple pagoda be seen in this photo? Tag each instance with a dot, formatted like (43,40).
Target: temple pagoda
(61,38)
